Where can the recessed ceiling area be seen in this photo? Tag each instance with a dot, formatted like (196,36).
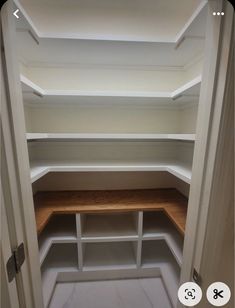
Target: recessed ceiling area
(140,20)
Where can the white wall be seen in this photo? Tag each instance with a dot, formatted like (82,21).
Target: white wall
(91,79)
(188,119)
(109,119)
(113,119)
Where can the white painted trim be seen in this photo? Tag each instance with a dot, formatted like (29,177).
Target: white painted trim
(208,132)
(6,251)
(29,281)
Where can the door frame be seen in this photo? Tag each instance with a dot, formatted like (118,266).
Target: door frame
(21,217)
(208,133)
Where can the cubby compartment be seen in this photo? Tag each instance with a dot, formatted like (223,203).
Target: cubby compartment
(156,225)
(109,255)
(61,258)
(106,226)
(59,229)
(156,253)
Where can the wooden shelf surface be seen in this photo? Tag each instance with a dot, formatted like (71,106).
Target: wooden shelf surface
(170,201)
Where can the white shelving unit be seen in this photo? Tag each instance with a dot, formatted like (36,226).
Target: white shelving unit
(109,242)
(110,100)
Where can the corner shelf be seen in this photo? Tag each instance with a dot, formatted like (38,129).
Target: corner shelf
(168,200)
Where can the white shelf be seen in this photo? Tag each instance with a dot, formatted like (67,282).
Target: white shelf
(111,137)
(122,33)
(58,260)
(156,226)
(40,169)
(109,227)
(189,89)
(113,255)
(60,229)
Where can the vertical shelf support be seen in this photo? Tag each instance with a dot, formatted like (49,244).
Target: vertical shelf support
(140,236)
(79,241)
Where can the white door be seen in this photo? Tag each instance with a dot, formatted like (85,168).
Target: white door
(9,294)
(206,198)
(19,219)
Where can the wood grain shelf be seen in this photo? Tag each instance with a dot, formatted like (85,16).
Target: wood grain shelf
(67,202)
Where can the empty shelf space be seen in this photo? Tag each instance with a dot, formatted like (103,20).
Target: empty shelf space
(190,88)
(115,226)
(155,253)
(60,229)
(69,202)
(61,258)
(112,255)
(156,225)
(39,169)
(111,137)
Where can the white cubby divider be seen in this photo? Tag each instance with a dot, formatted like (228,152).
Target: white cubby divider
(80,246)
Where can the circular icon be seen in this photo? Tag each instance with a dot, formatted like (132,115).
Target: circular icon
(189,294)
(218,294)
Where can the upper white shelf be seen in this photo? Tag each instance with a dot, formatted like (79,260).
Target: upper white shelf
(109,20)
(190,90)
(108,137)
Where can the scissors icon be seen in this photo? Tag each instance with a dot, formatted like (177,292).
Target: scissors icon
(218,293)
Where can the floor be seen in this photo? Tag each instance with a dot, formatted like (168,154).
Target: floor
(128,293)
